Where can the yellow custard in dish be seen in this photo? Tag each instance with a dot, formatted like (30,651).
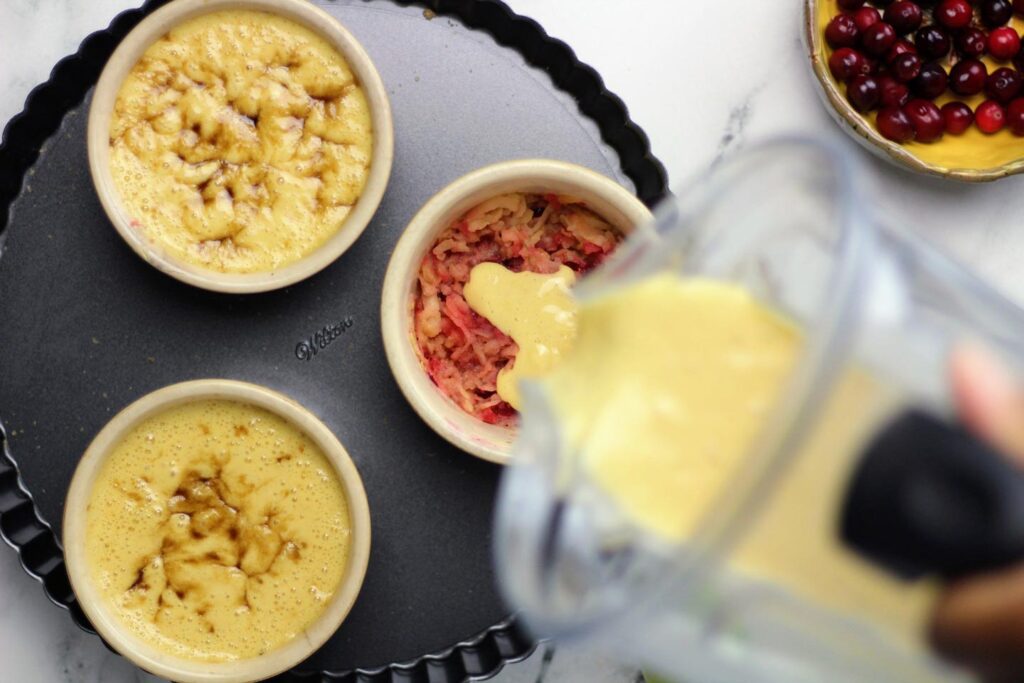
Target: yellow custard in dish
(663,397)
(217,531)
(971,150)
(240,142)
(537,310)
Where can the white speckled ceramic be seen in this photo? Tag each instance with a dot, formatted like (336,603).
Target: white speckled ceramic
(128,54)
(176,668)
(603,195)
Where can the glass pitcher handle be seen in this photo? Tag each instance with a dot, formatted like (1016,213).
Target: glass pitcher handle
(929,498)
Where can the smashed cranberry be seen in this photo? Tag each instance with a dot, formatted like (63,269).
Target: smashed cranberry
(971,42)
(932,42)
(893,93)
(931,82)
(904,16)
(866,16)
(1004,43)
(990,117)
(1015,116)
(842,31)
(954,14)
(878,38)
(957,117)
(926,119)
(967,77)
(1003,84)
(995,12)
(895,125)
(845,63)
(863,93)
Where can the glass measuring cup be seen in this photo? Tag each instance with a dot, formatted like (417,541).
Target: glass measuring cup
(818,559)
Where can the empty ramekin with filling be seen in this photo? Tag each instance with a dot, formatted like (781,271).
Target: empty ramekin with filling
(478,291)
(240,145)
(216,531)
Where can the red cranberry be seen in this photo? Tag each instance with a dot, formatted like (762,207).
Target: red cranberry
(931,82)
(894,93)
(971,42)
(895,125)
(906,67)
(990,117)
(995,12)
(957,117)
(967,77)
(845,63)
(842,31)
(926,119)
(878,38)
(866,16)
(932,42)
(863,93)
(904,16)
(1004,43)
(902,46)
(1015,116)
(1018,7)
(954,14)
(850,5)
(1003,84)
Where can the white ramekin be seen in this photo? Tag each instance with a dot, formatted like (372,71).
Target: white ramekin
(604,196)
(127,55)
(176,668)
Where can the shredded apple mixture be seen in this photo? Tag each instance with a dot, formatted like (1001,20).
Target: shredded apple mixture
(461,350)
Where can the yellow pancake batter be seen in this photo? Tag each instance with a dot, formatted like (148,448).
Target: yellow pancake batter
(240,141)
(537,310)
(664,395)
(217,531)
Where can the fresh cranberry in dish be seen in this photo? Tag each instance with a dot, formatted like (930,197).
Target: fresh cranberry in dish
(967,77)
(1015,116)
(893,93)
(1003,84)
(932,42)
(990,117)
(971,42)
(866,16)
(894,125)
(1004,43)
(904,16)
(926,119)
(850,5)
(906,67)
(842,31)
(845,63)
(863,93)
(931,82)
(954,14)
(957,117)
(1018,7)
(995,12)
(878,38)
(902,46)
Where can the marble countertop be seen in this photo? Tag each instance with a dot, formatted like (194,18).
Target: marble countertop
(701,86)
